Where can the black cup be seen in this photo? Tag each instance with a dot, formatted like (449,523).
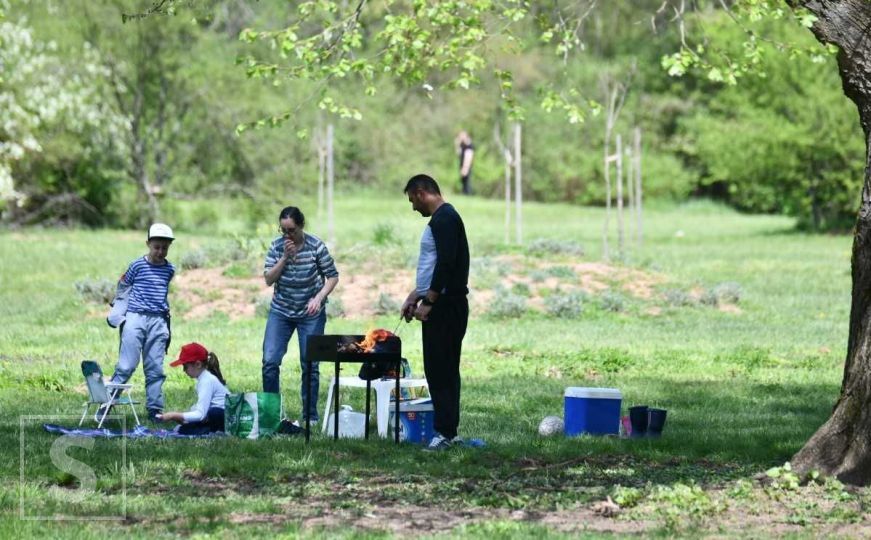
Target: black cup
(656,422)
(638,417)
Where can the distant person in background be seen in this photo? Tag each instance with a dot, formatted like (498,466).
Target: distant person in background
(302,272)
(466,152)
(439,300)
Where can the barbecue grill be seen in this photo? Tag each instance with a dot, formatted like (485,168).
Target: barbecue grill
(345,348)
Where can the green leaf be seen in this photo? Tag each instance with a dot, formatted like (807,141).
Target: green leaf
(714,74)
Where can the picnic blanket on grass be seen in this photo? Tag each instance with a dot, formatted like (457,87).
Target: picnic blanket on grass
(138,432)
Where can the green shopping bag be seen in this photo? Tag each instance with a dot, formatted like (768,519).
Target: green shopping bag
(251,415)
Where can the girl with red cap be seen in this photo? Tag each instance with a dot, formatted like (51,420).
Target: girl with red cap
(207,415)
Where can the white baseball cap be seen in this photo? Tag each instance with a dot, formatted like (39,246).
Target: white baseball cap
(160,230)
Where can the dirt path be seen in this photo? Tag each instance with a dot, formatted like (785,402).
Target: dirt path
(371,289)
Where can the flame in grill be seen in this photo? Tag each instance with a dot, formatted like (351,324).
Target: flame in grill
(373,337)
(367,345)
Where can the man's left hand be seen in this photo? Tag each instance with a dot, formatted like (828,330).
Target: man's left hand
(422,312)
(313,307)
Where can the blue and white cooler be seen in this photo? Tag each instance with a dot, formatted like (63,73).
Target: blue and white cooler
(415,421)
(595,411)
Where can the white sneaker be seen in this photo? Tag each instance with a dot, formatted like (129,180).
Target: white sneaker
(438,443)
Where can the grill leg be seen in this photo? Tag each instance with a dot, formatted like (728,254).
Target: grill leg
(368,400)
(398,396)
(336,405)
(308,398)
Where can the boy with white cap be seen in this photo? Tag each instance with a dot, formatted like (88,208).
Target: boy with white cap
(145,331)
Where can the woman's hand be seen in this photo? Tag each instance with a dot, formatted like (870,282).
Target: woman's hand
(290,250)
(314,306)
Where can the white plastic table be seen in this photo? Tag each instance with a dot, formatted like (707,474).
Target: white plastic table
(382,396)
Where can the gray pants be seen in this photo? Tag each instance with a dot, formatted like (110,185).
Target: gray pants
(145,336)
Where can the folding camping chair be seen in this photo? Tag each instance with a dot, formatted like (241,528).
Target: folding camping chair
(104,395)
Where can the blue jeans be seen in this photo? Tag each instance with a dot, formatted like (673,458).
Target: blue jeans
(279,330)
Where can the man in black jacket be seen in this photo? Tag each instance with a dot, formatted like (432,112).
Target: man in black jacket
(439,300)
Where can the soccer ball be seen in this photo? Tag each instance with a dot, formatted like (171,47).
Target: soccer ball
(550,425)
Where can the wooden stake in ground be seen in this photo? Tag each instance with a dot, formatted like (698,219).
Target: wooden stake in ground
(506,154)
(636,154)
(618,152)
(630,194)
(518,182)
(331,232)
(615,94)
(322,176)
(321,149)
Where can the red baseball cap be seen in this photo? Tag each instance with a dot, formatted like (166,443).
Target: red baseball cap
(192,352)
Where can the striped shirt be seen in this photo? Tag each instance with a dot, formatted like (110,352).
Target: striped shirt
(302,277)
(211,394)
(150,286)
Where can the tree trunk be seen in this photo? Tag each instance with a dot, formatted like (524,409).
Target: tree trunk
(507,157)
(842,446)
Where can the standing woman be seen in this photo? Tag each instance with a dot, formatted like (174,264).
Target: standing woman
(302,272)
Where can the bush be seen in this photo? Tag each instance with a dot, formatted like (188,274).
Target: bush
(537,276)
(101,291)
(486,272)
(204,216)
(218,253)
(192,260)
(561,272)
(506,305)
(386,305)
(521,289)
(335,307)
(613,301)
(729,292)
(546,246)
(262,305)
(679,298)
(384,234)
(238,270)
(565,306)
(614,360)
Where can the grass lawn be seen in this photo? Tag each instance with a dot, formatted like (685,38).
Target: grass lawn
(746,377)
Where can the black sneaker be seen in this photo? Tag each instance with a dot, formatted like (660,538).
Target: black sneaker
(152,416)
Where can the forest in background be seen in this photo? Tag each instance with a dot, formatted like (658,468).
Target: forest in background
(106,123)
